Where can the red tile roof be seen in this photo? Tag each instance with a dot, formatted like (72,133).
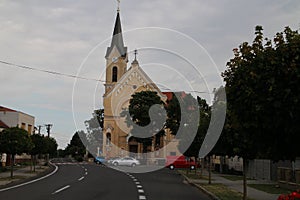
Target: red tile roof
(3,125)
(6,109)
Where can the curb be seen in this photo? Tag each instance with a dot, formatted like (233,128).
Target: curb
(211,195)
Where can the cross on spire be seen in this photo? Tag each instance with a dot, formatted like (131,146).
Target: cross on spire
(118,5)
(135,53)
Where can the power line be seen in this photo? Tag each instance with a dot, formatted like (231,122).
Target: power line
(85,78)
(48,71)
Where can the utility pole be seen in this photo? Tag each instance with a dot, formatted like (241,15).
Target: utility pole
(39,129)
(48,128)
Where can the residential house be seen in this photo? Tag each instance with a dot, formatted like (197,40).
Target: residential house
(13,118)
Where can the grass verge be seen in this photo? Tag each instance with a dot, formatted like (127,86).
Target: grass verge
(14,178)
(223,192)
(270,188)
(193,174)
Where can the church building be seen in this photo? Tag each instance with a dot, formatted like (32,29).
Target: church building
(121,83)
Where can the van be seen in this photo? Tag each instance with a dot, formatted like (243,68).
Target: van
(180,162)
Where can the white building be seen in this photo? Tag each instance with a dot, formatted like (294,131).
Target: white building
(13,118)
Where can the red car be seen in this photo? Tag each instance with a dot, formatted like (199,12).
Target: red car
(173,162)
(293,196)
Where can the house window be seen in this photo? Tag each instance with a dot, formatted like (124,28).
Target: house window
(23,126)
(108,139)
(29,128)
(114,74)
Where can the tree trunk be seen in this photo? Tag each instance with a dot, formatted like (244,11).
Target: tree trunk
(209,170)
(221,164)
(245,178)
(202,166)
(31,163)
(12,162)
(34,162)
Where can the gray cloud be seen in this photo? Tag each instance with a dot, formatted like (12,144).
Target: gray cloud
(57,35)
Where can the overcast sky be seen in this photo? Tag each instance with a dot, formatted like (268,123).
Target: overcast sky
(71,37)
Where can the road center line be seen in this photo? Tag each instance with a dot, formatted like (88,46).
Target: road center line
(80,179)
(61,189)
(141,197)
(140,190)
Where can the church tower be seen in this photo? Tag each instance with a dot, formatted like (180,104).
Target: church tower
(120,84)
(116,57)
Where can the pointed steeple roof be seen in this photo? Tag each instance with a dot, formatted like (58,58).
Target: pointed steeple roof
(117,39)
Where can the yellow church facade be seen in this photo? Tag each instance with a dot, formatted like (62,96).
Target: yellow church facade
(120,84)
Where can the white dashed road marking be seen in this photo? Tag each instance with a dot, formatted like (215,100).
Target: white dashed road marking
(141,192)
(61,189)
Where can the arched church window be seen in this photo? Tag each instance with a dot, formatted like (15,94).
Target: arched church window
(114,74)
(108,139)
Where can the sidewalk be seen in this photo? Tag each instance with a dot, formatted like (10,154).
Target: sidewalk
(20,175)
(235,185)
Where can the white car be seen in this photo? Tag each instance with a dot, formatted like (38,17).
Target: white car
(110,161)
(127,161)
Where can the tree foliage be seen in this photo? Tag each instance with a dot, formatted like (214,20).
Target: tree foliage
(38,144)
(263,94)
(94,137)
(204,119)
(138,114)
(43,145)
(263,98)
(50,146)
(15,141)
(76,147)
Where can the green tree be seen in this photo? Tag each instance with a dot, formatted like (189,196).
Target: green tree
(146,117)
(76,147)
(204,119)
(262,86)
(184,113)
(99,114)
(50,146)
(94,136)
(15,141)
(38,147)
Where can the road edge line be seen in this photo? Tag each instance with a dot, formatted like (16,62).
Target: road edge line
(32,181)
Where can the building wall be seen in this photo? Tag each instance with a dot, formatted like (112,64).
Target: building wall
(235,163)
(18,119)
(259,169)
(11,119)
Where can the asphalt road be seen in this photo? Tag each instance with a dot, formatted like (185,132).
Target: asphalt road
(74,181)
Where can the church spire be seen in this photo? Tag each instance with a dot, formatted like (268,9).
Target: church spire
(118,27)
(117,39)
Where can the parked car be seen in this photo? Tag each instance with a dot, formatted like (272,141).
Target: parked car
(100,160)
(173,162)
(110,160)
(127,161)
(293,196)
